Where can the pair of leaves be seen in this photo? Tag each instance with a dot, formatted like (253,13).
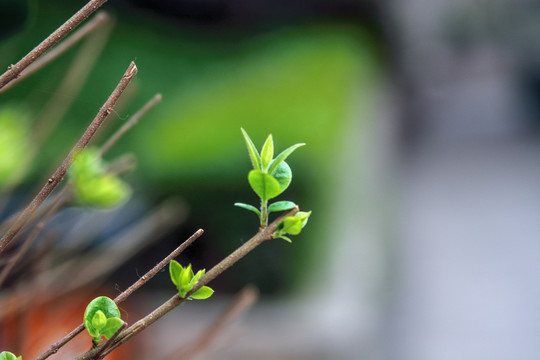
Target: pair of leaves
(277,206)
(102,318)
(6,355)
(185,280)
(93,186)
(292,225)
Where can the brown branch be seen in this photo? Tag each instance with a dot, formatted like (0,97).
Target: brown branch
(130,123)
(263,235)
(98,20)
(59,174)
(14,70)
(71,85)
(239,306)
(125,294)
(57,202)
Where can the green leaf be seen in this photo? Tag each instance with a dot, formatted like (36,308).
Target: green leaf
(264,185)
(290,225)
(103,304)
(284,238)
(303,216)
(99,320)
(203,293)
(6,355)
(252,150)
(198,275)
(249,207)
(93,186)
(174,270)
(283,175)
(267,152)
(185,276)
(281,206)
(282,156)
(113,324)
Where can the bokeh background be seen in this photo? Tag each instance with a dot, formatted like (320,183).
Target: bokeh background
(421,168)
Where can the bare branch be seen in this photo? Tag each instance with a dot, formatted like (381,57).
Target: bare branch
(129,124)
(14,70)
(93,24)
(59,174)
(57,202)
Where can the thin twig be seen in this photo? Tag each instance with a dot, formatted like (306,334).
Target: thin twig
(59,174)
(71,85)
(126,293)
(239,306)
(14,70)
(129,124)
(98,20)
(57,203)
(263,235)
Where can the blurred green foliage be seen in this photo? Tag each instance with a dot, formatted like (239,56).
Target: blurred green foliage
(300,83)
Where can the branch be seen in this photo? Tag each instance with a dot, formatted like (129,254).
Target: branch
(125,294)
(14,70)
(129,124)
(59,174)
(94,23)
(239,306)
(263,235)
(57,203)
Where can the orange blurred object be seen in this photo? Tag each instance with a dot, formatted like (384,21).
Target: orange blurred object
(30,332)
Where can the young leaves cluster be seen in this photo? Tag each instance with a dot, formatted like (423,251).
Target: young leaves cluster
(269,178)
(292,225)
(93,185)
(102,318)
(185,280)
(6,355)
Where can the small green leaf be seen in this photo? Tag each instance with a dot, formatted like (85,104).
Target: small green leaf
(174,270)
(185,276)
(99,320)
(104,304)
(284,238)
(198,275)
(281,206)
(267,152)
(303,216)
(252,150)
(6,355)
(283,175)
(282,156)
(93,186)
(264,185)
(203,293)
(113,324)
(290,225)
(249,207)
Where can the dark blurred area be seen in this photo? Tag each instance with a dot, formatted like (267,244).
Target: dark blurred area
(421,168)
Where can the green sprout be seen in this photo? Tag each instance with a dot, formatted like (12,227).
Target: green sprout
(269,178)
(6,355)
(102,318)
(93,185)
(185,280)
(292,225)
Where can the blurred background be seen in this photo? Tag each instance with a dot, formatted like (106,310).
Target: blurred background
(421,168)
